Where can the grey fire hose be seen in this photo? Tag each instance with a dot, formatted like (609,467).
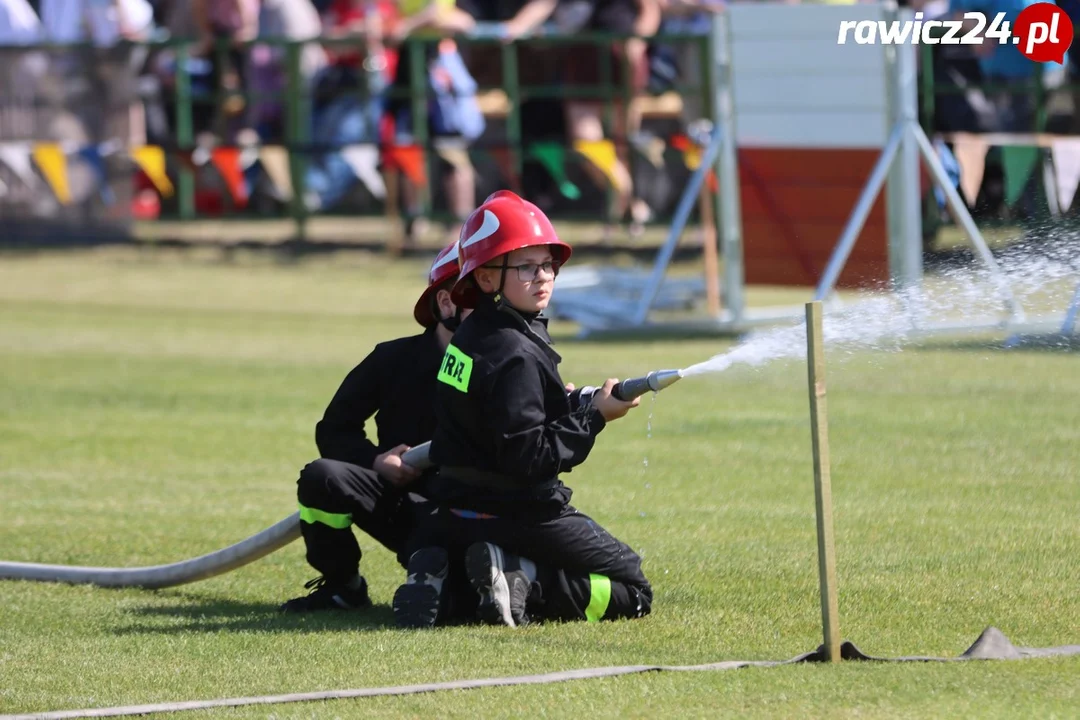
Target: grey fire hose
(162,576)
(261,544)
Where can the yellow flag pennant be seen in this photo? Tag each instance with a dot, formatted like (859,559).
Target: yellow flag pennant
(692,157)
(653,150)
(51,160)
(970,152)
(151,160)
(275,162)
(601,153)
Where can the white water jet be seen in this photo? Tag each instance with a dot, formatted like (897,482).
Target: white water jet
(886,321)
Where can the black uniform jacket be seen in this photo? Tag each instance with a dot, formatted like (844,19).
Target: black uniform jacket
(506,428)
(396,384)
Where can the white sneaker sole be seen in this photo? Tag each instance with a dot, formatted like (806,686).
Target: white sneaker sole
(484,566)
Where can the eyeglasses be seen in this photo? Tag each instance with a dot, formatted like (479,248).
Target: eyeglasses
(528,272)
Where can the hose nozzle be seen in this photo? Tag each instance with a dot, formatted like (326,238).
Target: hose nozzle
(655,381)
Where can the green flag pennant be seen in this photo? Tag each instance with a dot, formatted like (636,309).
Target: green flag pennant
(1017,163)
(552,156)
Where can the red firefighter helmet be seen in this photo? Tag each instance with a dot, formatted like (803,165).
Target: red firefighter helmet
(444,268)
(503,223)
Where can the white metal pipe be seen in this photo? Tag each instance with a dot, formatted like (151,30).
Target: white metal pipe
(1070,316)
(858,216)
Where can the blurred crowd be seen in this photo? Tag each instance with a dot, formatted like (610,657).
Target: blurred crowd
(357,75)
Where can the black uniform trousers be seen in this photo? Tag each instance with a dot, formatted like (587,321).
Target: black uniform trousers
(333,497)
(583,572)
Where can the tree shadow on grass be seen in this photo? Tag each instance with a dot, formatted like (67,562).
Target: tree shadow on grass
(190,613)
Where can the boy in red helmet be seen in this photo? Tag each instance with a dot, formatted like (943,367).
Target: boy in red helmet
(356,482)
(506,429)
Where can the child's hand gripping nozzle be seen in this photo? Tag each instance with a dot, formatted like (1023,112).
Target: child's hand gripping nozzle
(631,388)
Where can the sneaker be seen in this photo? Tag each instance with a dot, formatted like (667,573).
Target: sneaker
(417,603)
(327,595)
(502,581)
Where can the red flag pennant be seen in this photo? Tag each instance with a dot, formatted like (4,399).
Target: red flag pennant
(227,162)
(692,154)
(680,142)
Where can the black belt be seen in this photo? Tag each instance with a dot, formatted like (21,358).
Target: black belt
(475,477)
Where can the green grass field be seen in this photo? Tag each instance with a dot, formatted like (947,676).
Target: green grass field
(156,406)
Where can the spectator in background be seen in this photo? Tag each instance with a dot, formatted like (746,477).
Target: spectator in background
(671,68)
(236,21)
(294,20)
(584,115)
(367,19)
(1010,80)
(960,104)
(542,118)
(1072,9)
(19,24)
(349,95)
(453,120)
(20,73)
(103,23)
(1012,77)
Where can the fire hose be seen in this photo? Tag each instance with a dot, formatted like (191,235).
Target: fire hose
(263,543)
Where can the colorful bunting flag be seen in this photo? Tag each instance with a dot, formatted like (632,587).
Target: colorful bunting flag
(1018,162)
(601,153)
(227,162)
(970,152)
(692,155)
(1066,155)
(552,156)
(691,151)
(275,163)
(364,161)
(652,148)
(151,160)
(52,162)
(92,156)
(16,155)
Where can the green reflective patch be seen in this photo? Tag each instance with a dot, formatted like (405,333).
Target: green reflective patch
(456,369)
(338,521)
(599,597)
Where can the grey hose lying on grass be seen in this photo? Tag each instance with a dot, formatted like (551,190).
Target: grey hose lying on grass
(991,645)
(258,545)
(161,576)
(206,566)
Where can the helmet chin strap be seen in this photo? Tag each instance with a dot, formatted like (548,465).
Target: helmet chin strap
(497,296)
(453,322)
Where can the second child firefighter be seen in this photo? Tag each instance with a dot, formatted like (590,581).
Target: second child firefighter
(358,482)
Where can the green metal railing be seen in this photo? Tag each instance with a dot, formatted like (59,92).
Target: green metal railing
(297,103)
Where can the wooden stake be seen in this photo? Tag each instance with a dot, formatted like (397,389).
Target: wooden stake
(819,436)
(708,240)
